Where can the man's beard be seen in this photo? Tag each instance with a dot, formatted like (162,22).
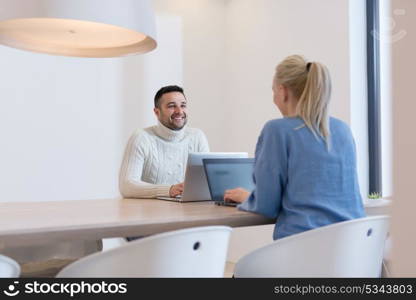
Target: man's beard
(171,123)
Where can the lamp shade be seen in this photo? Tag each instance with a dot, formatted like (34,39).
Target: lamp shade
(83,28)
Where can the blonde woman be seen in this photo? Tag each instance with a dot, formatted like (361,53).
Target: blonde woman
(305,163)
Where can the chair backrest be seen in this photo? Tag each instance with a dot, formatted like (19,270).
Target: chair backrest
(194,252)
(346,249)
(8,267)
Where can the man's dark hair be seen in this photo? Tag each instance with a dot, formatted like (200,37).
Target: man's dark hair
(165,90)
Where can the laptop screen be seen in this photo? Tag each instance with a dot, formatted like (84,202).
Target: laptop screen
(228,173)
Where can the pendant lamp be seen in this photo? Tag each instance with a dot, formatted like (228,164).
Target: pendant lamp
(82,28)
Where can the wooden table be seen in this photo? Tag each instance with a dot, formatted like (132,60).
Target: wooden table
(29,223)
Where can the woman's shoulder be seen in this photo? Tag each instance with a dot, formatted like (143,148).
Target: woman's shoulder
(283,124)
(338,125)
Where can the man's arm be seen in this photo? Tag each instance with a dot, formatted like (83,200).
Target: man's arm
(130,183)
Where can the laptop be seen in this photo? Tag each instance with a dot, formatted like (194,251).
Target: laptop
(195,184)
(228,173)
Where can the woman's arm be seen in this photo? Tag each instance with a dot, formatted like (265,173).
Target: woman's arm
(270,173)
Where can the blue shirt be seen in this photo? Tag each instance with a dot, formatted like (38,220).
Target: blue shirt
(302,183)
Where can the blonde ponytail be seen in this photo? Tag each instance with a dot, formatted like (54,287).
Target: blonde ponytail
(310,83)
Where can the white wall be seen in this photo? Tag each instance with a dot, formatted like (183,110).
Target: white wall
(60,127)
(143,75)
(64,121)
(77,114)
(223,52)
(387,37)
(358,88)
(203,25)
(259,34)
(262,33)
(404,141)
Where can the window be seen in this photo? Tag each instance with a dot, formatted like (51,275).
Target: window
(373,87)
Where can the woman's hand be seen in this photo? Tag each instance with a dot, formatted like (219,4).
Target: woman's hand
(236,195)
(176,189)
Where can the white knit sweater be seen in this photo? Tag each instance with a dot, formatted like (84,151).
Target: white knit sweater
(155,159)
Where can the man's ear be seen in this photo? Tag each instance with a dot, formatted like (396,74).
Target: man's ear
(156,111)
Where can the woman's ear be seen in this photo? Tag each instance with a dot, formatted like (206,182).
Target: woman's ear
(284,93)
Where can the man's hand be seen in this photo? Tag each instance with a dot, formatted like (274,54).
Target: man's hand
(236,195)
(176,189)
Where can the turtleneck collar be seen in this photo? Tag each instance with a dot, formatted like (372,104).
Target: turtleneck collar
(169,134)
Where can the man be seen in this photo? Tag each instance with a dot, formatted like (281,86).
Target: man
(155,158)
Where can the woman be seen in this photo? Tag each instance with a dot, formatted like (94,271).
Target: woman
(305,164)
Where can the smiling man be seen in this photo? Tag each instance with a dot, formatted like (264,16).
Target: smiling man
(155,158)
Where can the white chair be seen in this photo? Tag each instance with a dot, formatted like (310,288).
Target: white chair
(194,252)
(346,249)
(9,268)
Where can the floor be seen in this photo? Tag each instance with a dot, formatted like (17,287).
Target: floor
(46,269)
(229,269)
(49,269)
